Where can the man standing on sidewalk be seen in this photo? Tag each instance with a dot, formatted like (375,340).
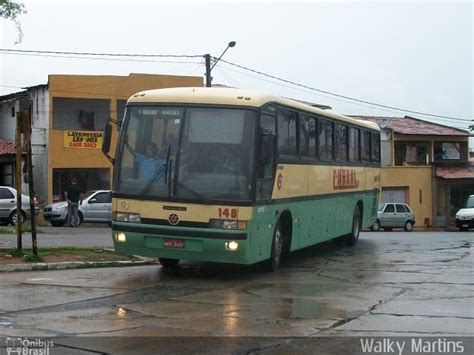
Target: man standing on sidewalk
(73,196)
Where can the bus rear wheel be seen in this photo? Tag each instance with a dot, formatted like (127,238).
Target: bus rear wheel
(166,262)
(353,237)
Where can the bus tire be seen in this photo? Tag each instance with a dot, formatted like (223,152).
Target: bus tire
(276,253)
(353,237)
(167,262)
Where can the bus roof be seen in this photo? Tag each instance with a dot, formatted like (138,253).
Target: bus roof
(237,97)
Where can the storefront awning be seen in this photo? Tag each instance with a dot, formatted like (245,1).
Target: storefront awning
(465,171)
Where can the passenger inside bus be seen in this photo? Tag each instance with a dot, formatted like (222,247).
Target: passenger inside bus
(150,161)
(227,162)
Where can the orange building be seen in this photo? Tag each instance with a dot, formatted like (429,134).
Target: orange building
(68,117)
(426,165)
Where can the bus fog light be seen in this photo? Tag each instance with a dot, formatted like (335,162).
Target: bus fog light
(232,245)
(121,237)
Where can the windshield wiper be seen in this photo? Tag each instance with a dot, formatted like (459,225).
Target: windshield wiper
(160,171)
(200,196)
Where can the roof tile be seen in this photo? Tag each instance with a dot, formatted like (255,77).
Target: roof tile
(456,172)
(7,148)
(414,126)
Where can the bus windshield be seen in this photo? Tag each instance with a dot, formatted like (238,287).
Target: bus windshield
(187,153)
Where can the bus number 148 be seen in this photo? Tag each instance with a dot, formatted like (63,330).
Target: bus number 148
(228,213)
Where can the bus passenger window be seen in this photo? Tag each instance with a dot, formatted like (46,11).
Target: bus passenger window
(354,144)
(341,142)
(325,140)
(286,132)
(376,147)
(307,136)
(365,145)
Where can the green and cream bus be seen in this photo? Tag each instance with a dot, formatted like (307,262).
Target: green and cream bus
(238,177)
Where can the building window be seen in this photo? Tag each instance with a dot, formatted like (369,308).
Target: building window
(412,153)
(13,111)
(307,136)
(449,151)
(88,179)
(287,132)
(354,144)
(325,140)
(80,114)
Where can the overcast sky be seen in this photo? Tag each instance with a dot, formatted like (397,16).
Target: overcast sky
(412,55)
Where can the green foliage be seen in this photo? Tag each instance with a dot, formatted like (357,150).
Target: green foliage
(10,10)
(16,253)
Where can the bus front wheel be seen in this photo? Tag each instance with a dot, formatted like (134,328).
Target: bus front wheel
(353,237)
(274,262)
(166,262)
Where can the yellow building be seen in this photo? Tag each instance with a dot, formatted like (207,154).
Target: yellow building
(425,165)
(68,117)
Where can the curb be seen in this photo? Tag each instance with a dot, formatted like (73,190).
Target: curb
(72,265)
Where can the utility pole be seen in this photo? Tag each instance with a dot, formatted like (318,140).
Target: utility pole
(29,168)
(208,70)
(19,124)
(207,57)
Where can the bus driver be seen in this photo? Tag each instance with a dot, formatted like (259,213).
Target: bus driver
(149,162)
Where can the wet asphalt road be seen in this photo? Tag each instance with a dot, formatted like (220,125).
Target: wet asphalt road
(390,284)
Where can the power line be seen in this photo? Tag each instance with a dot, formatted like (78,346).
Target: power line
(83,55)
(342,96)
(103,59)
(103,54)
(320,95)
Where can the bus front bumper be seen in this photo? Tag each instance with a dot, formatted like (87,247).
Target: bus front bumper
(199,244)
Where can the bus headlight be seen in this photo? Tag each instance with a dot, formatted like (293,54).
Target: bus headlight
(232,245)
(127,217)
(223,224)
(121,237)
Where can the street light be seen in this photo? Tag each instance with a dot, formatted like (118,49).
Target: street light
(208,63)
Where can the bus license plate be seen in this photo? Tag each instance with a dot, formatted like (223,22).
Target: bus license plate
(173,243)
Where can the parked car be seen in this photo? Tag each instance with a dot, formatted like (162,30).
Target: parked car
(394,215)
(8,206)
(465,216)
(96,207)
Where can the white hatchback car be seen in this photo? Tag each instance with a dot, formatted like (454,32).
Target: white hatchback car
(8,206)
(96,207)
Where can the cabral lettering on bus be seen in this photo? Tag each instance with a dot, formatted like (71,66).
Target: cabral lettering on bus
(345,179)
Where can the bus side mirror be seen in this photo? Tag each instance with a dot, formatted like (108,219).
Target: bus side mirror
(107,140)
(267,149)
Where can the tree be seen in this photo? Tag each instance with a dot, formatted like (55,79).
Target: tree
(10,10)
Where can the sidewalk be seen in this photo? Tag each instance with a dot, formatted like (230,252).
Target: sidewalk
(72,265)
